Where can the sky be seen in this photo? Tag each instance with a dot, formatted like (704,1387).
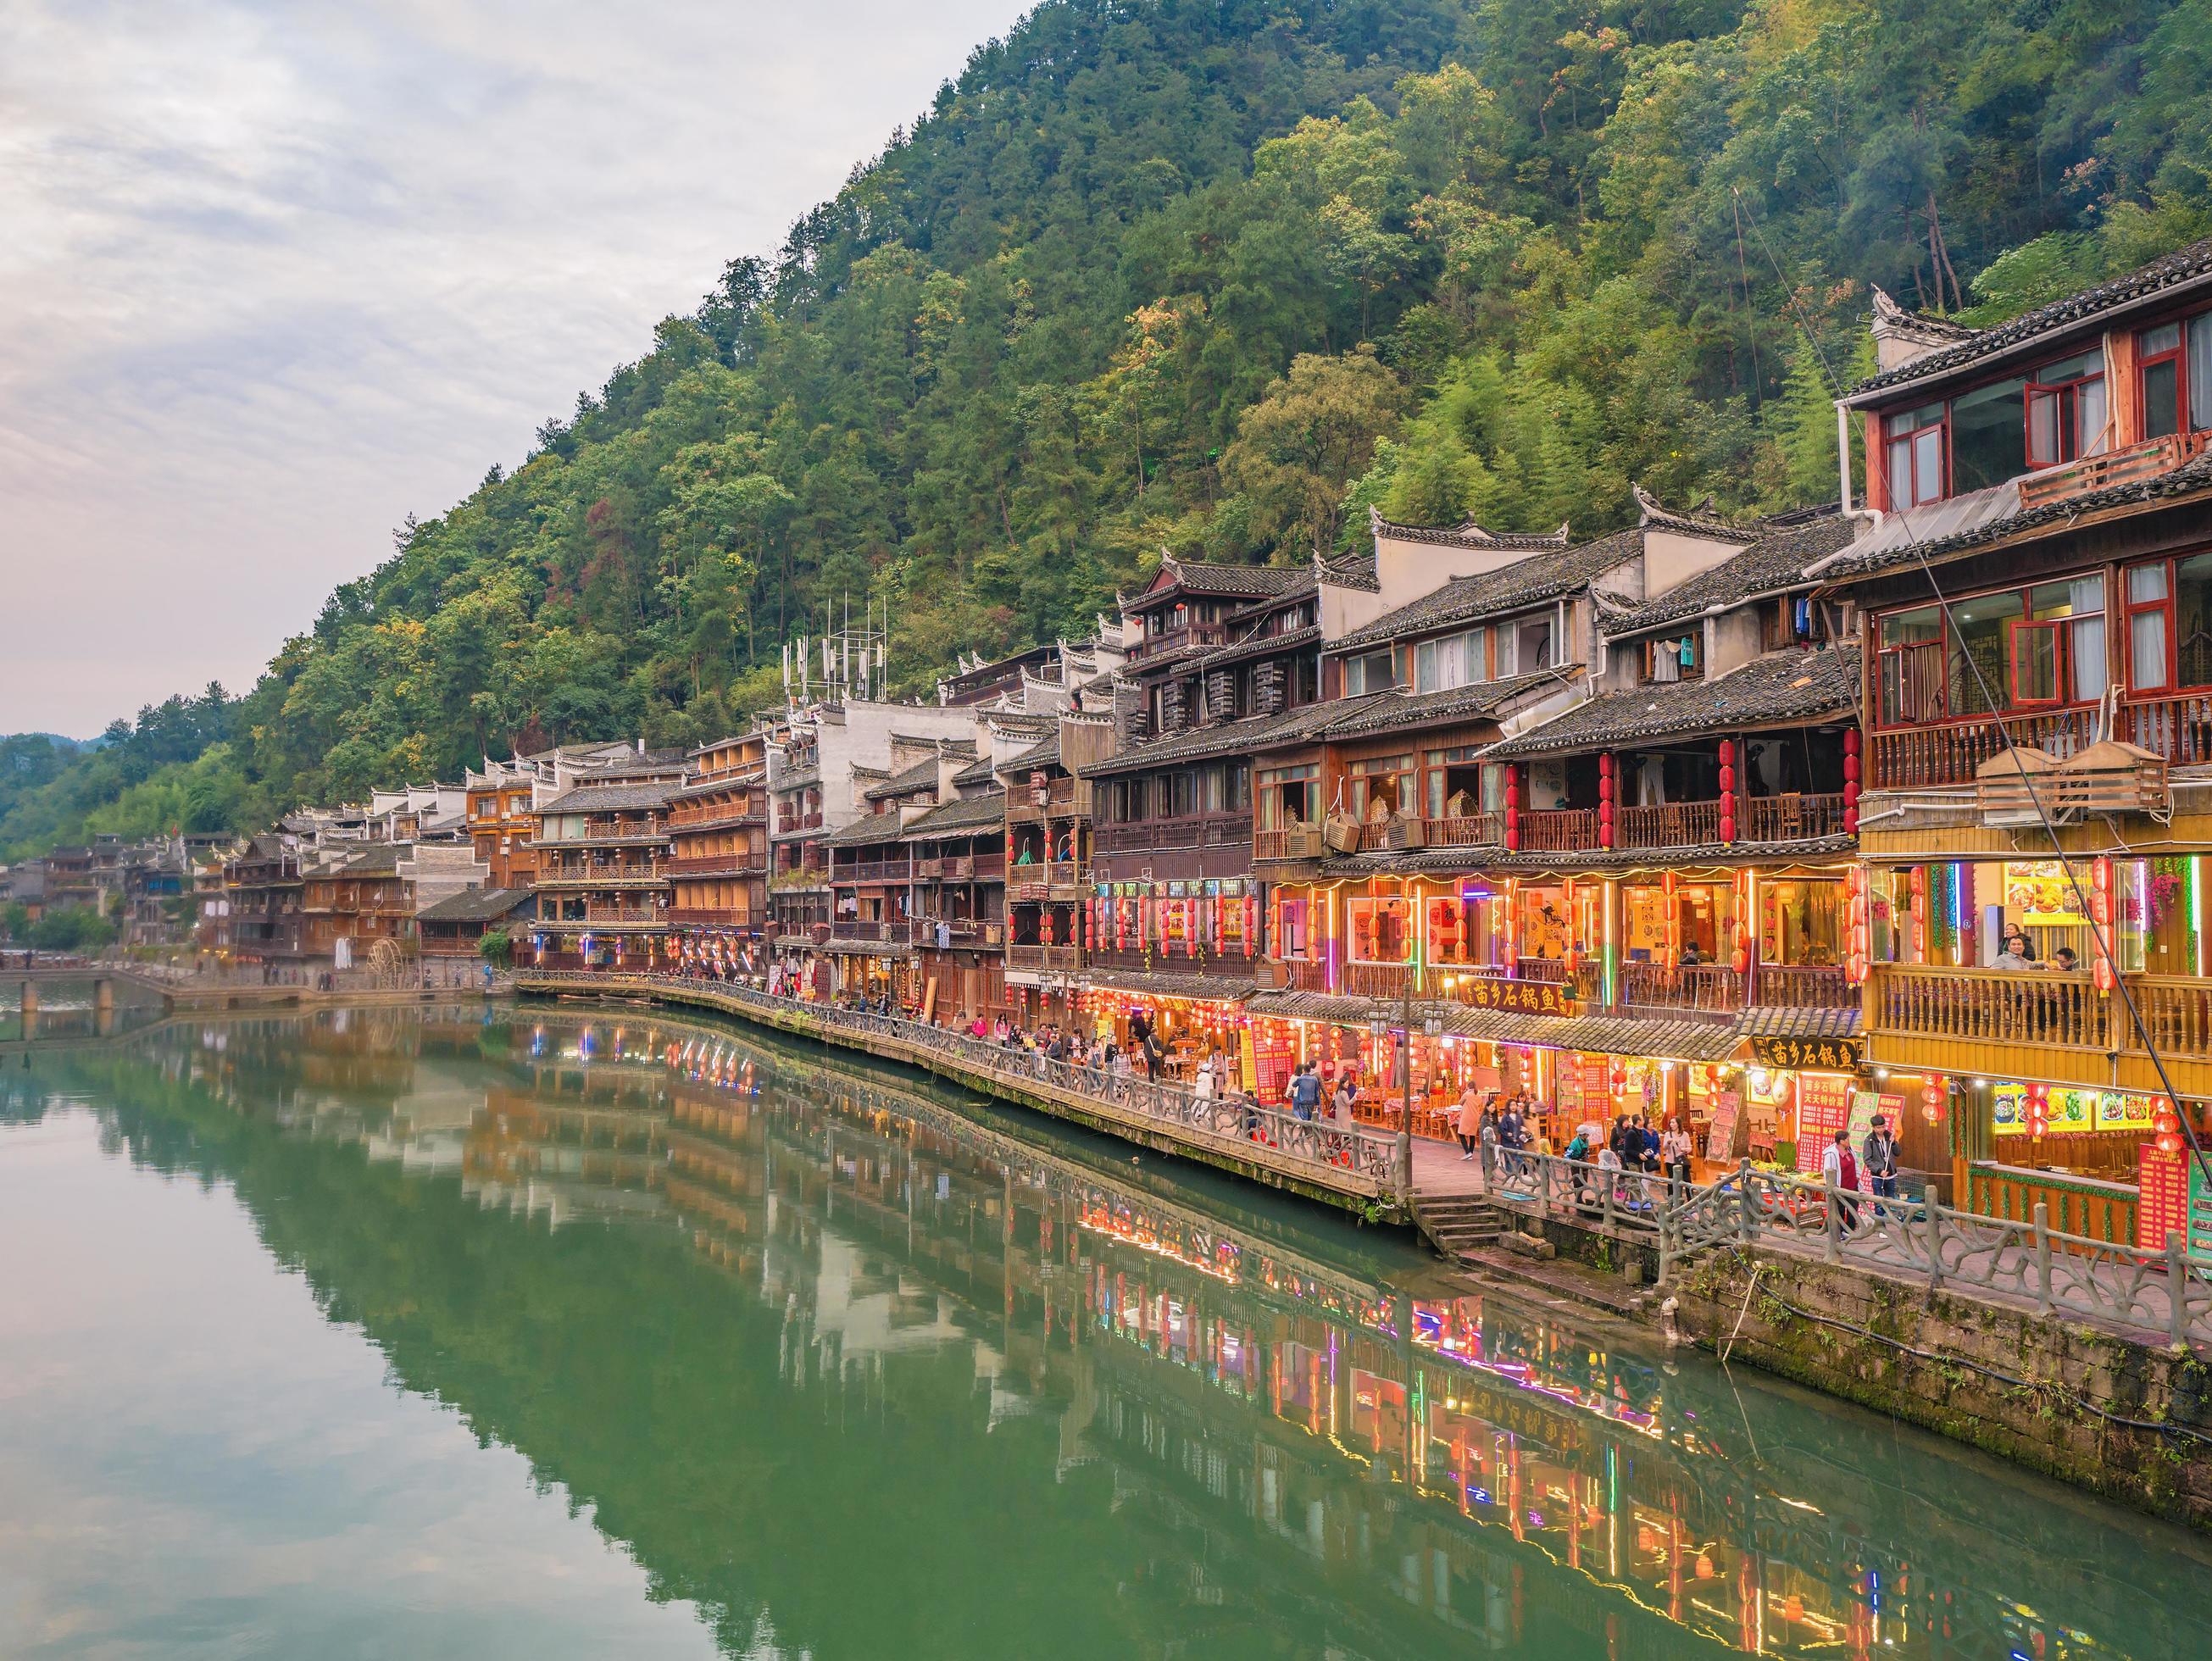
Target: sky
(272,276)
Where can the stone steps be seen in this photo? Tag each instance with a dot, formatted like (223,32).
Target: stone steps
(1458,1226)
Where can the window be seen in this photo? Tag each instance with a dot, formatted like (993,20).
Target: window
(1679,659)
(1459,785)
(1381,930)
(2174,362)
(1442,665)
(1293,934)
(2170,624)
(1532,645)
(1376,672)
(2020,649)
(2066,409)
(1290,795)
(1389,780)
(1909,671)
(1986,423)
(1915,440)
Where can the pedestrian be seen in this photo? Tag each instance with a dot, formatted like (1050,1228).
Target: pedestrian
(1879,1153)
(1674,1151)
(1469,1122)
(1839,1170)
(1305,1091)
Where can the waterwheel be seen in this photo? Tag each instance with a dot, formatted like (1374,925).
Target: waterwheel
(386,967)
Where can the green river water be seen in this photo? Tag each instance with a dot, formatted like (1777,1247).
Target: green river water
(518,1333)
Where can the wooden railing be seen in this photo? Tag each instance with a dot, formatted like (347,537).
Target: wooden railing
(645,874)
(885,930)
(1919,757)
(1068,796)
(1793,818)
(1289,841)
(1374,980)
(1045,959)
(2146,460)
(1803,986)
(2179,729)
(1305,975)
(1666,824)
(1706,989)
(1559,831)
(737,860)
(1198,830)
(872,871)
(716,816)
(1464,830)
(625,913)
(723,916)
(1988,1005)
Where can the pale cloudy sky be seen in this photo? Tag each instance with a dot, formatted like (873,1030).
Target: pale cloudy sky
(272,276)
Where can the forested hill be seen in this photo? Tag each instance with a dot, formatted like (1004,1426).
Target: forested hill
(1213,276)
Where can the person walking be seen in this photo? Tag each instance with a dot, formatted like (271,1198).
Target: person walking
(1879,1157)
(1839,1169)
(1469,1121)
(1305,1091)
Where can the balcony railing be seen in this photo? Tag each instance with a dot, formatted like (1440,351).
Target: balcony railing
(1066,798)
(1373,980)
(739,862)
(1289,841)
(1703,988)
(721,917)
(1231,831)
(1793,818)
(886,930)
(625,913)
(1559,831)
(649,874)
(1919,757)
(1199,634)
(1045,959)
(1667,825)
(1463,831)
(1802,986)
(872,871)
(2147,460)
(1988,1006)
(716,816)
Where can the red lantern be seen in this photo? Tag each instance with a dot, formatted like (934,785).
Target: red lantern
(2101,973)
(1620,1075)
(2167,1125)
(1917,879)
(2039,1110)
(1741,961)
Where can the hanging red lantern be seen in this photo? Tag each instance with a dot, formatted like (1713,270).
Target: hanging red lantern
(1251,924)
(2165,1125)
(1620,1075)
(2101,973)
(2039,1110)
(1917,879)
(1512,808)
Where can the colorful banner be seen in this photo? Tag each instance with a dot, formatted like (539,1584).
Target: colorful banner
(2162,1196)
(1519,997)
(1834,1055)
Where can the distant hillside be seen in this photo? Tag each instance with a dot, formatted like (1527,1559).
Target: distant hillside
(1215,278)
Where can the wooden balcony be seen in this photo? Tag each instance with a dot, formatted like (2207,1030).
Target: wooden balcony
(1045,959)
(1701,988)
(1232,830)
(712,916)
(1802,986)
(1559,831)
(1463,831)
(1668,824)
(650,915)
(1067,798)
(1289,841)
(887,931)
(1793,818)
(1927,757)
(2147,460)
(739,862)
(1374,980)
(1058,879)
(872,871)
(649,874)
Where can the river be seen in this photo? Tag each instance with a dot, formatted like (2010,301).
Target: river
(406,1333)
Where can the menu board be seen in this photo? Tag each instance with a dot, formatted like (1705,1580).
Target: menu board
(1824,1107)
(1597,1086)
(1268,1065)
(1865,1104)
(2162,1197)
(1568,1092)
(1720,1132)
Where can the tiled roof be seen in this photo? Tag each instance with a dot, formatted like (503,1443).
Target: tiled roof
(611,798)
(1259,646)
(1681,1039)
(1239,581)
(1787,685)
(1776,563)
(379,860)
(1167,984)
(1350,571)
(1411,710)
(2184,266)
(1036,757)
(1527,582)
(976,772)
(867,831)
(1765,1023)
(1228,738)
(966,814)
(1963,524)
(919,776)
(1414,861)
(476,905)
(1466,535)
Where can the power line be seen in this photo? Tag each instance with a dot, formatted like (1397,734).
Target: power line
(2066,862)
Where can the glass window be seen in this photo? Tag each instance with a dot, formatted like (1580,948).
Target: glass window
(1376,672)
(1382,930)
(2066,409)
(2158,352)
(1916,456)
(2074,640)
(1293,932)
(1532,642)
(1985,435)
(1388,781)
(1910,666)
(1979,649)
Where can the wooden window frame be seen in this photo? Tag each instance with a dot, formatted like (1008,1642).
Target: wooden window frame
(2177,355)
(2068,393)
(1911,439)
(2062,667)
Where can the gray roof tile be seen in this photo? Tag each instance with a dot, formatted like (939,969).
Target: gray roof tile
(1781,686)
(1529,581)
(1774,564)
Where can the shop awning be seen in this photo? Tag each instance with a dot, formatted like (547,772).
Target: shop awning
(1628,1036)
(1164,984)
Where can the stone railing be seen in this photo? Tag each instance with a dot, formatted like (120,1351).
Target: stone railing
(2166,1295)
(1345,1159)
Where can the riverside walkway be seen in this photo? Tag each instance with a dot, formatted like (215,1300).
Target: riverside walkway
(2163,1296)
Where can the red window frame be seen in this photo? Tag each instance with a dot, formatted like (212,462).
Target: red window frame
(2178,355)
(1941,646)
(2067,396)
(1910,497)
(2133,608)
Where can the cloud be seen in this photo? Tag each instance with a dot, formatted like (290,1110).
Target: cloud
(275,276)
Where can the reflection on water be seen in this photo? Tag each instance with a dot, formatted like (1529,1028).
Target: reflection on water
(853,1369)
